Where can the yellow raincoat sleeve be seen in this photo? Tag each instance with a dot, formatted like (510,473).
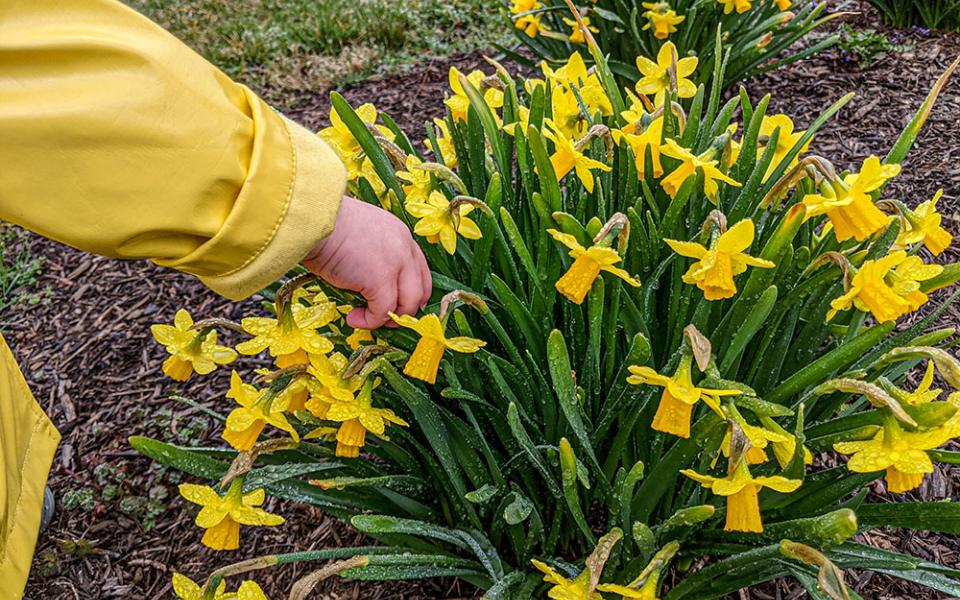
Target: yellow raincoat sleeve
(27,443)
(118,139)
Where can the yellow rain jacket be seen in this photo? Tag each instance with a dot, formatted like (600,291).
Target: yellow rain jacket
(118,139)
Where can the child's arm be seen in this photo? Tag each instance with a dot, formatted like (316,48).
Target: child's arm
(118,139)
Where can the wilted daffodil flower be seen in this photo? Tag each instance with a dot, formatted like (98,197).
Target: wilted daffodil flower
(190,350)
(740,487)
(718,265)
(294,332)
(656,75)
(437,222)
(567,156)
(222,516)
(357,418)
(257,409)
(887,288)
(923,224)
(661,18)
(459,103)
(787,138)
(848,204)
(425,360)
(586,267)
(186,589)
(902,454)
(689,164)
(741,6)
(679,396)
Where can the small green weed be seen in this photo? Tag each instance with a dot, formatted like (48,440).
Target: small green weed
(19,271)
(866,47)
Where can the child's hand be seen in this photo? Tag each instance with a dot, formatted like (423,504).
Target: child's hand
(370,251)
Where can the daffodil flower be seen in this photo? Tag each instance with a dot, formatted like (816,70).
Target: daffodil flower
(924,393)
(357,418)
(689,164)
(425,360)
(445,151)
(529,24)
(356,340)
(186,589)
(436,221)
(586,267)
(848,204)
(641,143)
(523,122)
(578,588)
(887,288)
(346,146)
(257,409)
(418,184)
(294,331)
(678,397)
(567,157)
(786,140)
(740,488)
(923,224)
(661,18)
(459,103)
(329,386)
(222,516)
(785,448)
(784,4)
(656,75)
(577,36)
(741,6)
(190,350)
(574,74)
(902,454)
(760,438)
(647,583)
(718,265)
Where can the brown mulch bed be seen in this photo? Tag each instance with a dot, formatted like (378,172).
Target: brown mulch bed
(101,383)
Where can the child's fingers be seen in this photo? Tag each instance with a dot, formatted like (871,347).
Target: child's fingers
(380,301)
(409,290)
(426,279)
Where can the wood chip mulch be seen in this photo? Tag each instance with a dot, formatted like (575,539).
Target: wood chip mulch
(91,363)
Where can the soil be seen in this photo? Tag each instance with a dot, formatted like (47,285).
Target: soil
(123,527)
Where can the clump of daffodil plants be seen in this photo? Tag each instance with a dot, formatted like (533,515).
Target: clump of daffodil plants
(667,356)
(639,36)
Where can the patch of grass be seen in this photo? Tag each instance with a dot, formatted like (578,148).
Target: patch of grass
(285,47)
(19,271)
